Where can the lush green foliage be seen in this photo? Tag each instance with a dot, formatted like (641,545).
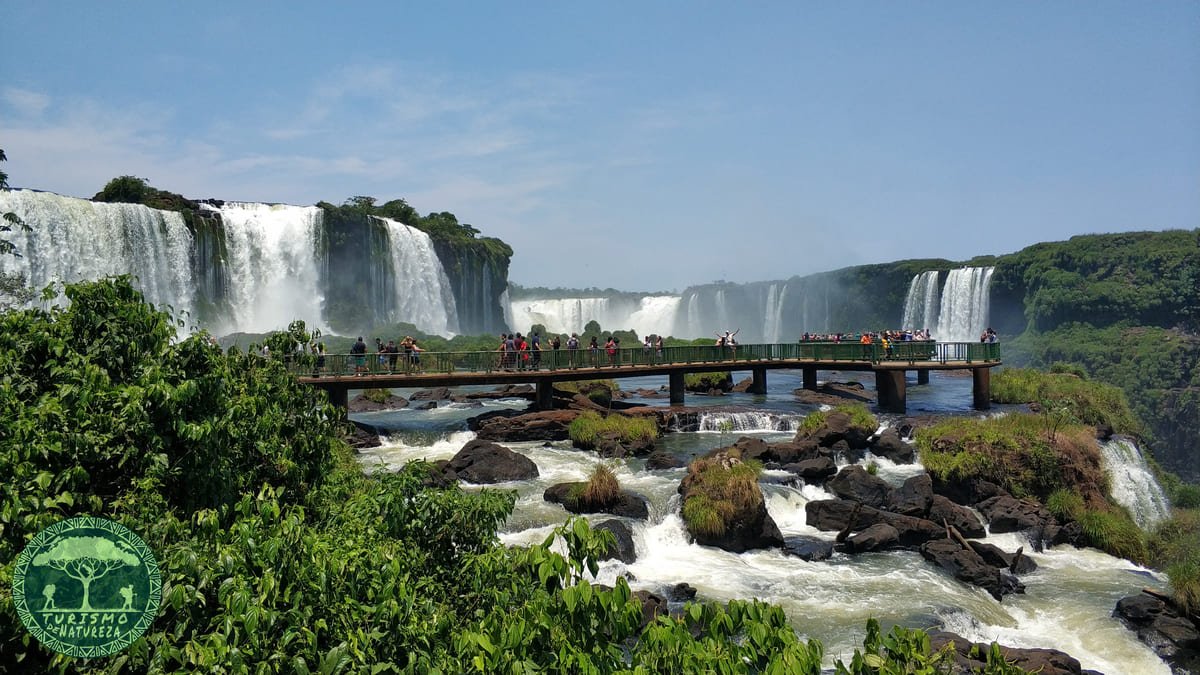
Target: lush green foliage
(1067,397)
(1147,278)
(13,290)
(1028,455)
(588,428)
(707,381)
(860,417)
(1175,547)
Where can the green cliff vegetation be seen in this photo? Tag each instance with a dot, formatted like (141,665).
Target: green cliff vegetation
(279,555)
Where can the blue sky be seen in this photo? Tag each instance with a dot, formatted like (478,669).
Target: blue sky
(642,146)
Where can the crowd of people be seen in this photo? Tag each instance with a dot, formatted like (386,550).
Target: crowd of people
(907,335)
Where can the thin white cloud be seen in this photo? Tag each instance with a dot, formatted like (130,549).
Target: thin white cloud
(27,103)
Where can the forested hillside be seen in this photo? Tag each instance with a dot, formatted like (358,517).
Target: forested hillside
(1126,308)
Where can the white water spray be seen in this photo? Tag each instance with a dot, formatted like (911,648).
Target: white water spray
(1132,483)
(921,303)
(423,296)
(964,308)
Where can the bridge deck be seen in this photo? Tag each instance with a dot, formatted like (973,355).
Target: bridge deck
(339,373)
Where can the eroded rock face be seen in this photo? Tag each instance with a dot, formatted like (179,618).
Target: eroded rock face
(1175,638)
(836,515)
(878,537)
(661,459)
(969,567)
(813,471)
(913,497)
(483,462)
(361,403)
(1044,661)
(889,446)
(942,510)
(547,425)
(808,548)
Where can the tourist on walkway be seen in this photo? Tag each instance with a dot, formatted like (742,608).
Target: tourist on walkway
(359,353)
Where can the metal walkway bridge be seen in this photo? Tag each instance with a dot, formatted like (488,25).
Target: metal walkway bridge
(337,374)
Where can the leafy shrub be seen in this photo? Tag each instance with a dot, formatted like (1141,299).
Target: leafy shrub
(707,381)
(1175,547)
(1063,368)
(377,395)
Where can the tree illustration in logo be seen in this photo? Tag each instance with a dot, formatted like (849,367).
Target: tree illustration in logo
(86,559)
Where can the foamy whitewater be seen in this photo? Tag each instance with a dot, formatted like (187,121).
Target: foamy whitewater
(1067,605)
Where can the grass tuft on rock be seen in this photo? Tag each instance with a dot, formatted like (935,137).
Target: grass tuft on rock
(1028,455)
(717,489)
(587,429)
(1175,547)
(860,416)
(380,396)
(1067,395)
(601,489)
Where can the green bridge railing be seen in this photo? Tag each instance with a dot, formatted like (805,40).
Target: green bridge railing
(740,357)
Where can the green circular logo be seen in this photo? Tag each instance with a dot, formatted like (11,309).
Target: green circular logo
(87,587)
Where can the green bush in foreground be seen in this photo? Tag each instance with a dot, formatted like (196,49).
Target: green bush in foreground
(586,430)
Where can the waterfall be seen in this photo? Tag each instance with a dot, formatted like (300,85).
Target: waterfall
(964,307)
(646,315)
(1132,484)
(274,271)
(423,296)
(747,421)
(774,313)
(74,239)
(921,303)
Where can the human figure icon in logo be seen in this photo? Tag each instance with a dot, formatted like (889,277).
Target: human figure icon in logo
(127,595)
(48,593)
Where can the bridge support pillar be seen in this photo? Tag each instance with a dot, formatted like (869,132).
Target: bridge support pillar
(810,378)
(340,398)
(676,382)
(545,395)
(981,391)
(922,376)
(758,385)
(892,390)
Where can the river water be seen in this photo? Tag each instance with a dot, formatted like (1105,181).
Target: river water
(1067,604)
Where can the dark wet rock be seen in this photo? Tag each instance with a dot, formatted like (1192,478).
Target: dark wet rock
(743,386)
(661,459)
(627,504)
(889,446)
(507,391)
(623,549)
(546,425)
(361,403)
(424,405)
(653,606)
(651,393)
(913,497)
(1164,629)
(834,515)
(360,436)
(813,471)
(857,484)
(776,455)
(878,537)
(438,476)
(751,448)
(612,446)
(998,557)
(435,394)
(483,462)
(969,567)
(681,592)
(837,427)
(966,491)
(972,656)
(834,393)
(1104,431)
(942,510)
(808,548)
(1006,513)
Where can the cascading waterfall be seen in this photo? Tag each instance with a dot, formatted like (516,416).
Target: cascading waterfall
(1132,483)
(647,315)
(774,328)
(274,271)
(746,422)
(423,295)
(964,308)
(921,303)
(75,239)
